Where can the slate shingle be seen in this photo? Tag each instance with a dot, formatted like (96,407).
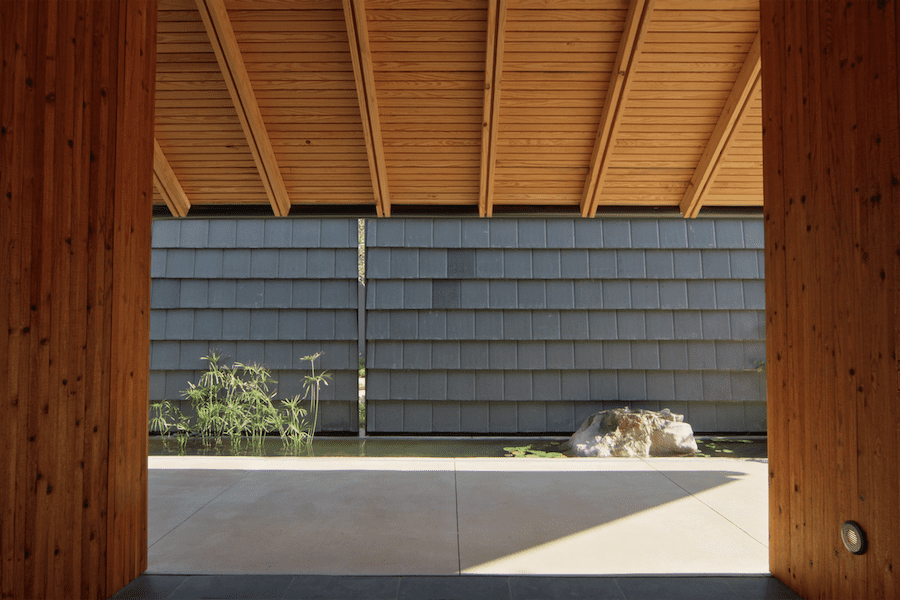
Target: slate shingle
(504,233)
(277,233)
(645,233)
(560,233)
(250,233)
(223,293)
(157,263)
(166,233)
(445,417)
(306,233)
(222,233)
(575,385)
(433,385)
(531,417)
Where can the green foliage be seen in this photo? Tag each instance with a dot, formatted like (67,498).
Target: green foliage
(312,384)
(167,419)
(362,400)
(293,427)
(361,249)
(718,447)
(237,403)
(530,452)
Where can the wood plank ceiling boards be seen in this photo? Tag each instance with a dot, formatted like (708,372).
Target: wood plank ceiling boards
(690,60)
(733,115)
(361,53)
(299,58)
(557,62)
(620,81)
(221,36)
(196,124)
(471,105)
(429,62)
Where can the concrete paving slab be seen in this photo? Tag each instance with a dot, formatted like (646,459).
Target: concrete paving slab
(743,500)
(439,516)
(509,519)
(624,521)
(366,522)
(176,495)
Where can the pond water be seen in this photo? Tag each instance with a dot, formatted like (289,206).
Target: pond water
(719,447)
(367,446)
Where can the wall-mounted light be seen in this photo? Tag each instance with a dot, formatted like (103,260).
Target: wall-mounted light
(854,537)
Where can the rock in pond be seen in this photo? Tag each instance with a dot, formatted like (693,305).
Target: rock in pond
(632,433)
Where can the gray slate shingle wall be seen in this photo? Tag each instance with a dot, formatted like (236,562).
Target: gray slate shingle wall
(531,325)
(267,291)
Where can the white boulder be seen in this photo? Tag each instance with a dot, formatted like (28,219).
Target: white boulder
(632,433)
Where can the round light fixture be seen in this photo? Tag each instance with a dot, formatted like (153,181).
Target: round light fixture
(854,537)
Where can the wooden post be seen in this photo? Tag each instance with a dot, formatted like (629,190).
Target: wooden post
(832,214)
(77,83)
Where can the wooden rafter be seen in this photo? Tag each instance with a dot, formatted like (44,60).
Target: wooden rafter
(733,114)
(167,184)
(496,24)
(619,87)
(435,64)
(361,52)
(224,43)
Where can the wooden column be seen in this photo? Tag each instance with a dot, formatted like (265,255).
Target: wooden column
(832,215)
(77,83)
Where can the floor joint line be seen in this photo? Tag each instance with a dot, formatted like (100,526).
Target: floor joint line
(744,531)
(216,497)
(456,494)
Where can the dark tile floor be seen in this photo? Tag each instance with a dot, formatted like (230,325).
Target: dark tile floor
(466,587)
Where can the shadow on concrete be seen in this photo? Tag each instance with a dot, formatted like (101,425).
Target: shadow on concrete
(440,519)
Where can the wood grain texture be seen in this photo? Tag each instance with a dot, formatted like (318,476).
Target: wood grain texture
(733,114)
(75,150)
(493,72)
(629,52)
(231,63)
(177,123)
(428,61)
(167,184)
(310,106)
(424,93)
(548,117)
(366,92)
(680,89)
(831,134)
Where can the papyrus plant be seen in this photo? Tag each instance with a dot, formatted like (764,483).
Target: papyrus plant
(236,402)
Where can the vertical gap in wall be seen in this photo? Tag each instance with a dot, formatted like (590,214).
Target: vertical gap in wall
(361,319)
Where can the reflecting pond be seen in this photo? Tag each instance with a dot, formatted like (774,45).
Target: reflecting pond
(449,447)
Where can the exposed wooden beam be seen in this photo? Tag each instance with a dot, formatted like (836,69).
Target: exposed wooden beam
(733,114)
(361,52)
(493,70)
(221,36)
(167,184)
(619,86)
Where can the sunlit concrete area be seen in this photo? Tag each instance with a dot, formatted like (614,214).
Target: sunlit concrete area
(449,516)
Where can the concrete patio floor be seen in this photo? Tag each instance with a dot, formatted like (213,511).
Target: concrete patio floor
(457,516)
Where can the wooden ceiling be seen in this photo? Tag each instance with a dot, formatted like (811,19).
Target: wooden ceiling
(560,105)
